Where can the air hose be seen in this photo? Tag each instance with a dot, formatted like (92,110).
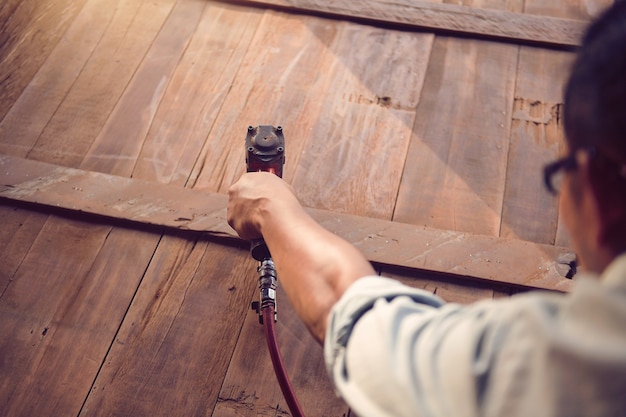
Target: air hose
(279,365)
(266,308)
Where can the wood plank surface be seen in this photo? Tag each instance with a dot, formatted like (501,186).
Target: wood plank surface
(29,31)
(455,168)
(250,387)
(352,162)
(501,25)
(25,121)
(177,339)
(19,226)
(157,400)
(121,139)
(479,256)
(168,386)
(34,29)
(449,289)
(65,381)
(529,211)
(101,82)
(368,97)
(108,319)
(59,316)
(197,387)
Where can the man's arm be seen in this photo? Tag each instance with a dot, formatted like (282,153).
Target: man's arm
(314,266)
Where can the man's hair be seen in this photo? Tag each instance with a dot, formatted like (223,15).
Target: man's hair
(595,95)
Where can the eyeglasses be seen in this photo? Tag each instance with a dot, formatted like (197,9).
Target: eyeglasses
(553,173)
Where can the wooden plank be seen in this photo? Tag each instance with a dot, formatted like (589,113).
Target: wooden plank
(353,159)
(466,163)
(450,289)
(16,238)
(57,316)
(529,211)
(501,25)
(374,93)
(101,82)
(71,387)
(178,335)
(121,139)
(484,257)
(29,30)
(455,172)
(34,108)
(585,10)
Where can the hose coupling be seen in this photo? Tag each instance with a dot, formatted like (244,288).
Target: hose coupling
(267,287)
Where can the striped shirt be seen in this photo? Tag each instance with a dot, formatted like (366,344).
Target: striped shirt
(392,350)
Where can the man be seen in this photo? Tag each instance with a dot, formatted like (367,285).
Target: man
(396,351)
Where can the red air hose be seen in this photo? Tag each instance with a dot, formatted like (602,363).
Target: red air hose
(279,365)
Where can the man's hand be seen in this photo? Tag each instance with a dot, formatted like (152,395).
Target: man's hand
(255,196)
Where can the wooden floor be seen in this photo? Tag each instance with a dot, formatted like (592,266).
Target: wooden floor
(102,319)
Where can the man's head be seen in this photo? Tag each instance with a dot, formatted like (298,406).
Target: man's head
(595,95)
(593,201)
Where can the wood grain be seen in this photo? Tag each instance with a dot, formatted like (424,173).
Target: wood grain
(19,226)
(537,137)
(29,31)
(450,289)
(529,211)
(456,164)
(352,161)
(25,121)
(178,335)
(121,139)
(282,84)
(168,385)
(499,25)
(57,311)
(101,82)
(67,381)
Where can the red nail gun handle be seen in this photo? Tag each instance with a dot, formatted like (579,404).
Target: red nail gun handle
(265,151)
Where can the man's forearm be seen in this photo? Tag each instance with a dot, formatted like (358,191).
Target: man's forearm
(314,266)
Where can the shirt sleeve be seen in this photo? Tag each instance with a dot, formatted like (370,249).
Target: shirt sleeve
(392,350)
(359,300)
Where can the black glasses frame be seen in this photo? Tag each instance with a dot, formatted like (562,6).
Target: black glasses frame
(567,163)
